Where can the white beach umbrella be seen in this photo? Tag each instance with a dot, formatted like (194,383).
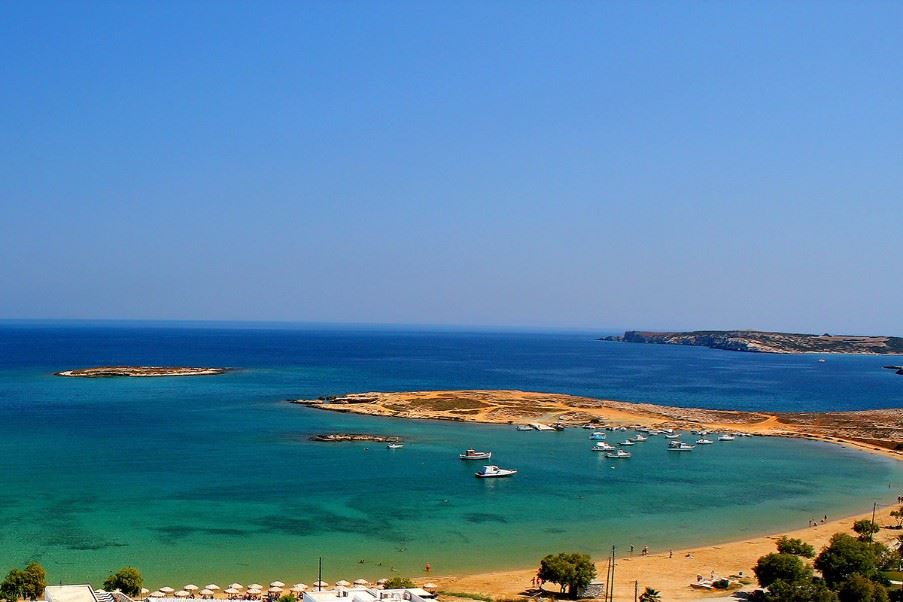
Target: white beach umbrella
(299,587)
(156,594)
(275,590)
(255,586)
(182,594)
(361,582)
(231,591)
(254,591)
(342,583)
(206,592)
(382,581)
(237,586)
(191,587)
(167,590)
(320,584)
(212,586)
(144,590)
(277,584)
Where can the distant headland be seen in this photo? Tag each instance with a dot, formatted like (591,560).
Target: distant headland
(140,371)
(768,342)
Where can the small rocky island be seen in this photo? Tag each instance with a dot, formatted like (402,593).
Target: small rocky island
(897,369)
(140,371)
(343,437)
(768,342)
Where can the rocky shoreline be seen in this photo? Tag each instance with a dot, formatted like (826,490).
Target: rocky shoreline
(768,342)
(140,371)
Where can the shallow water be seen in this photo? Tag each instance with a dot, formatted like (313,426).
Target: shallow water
(212,478)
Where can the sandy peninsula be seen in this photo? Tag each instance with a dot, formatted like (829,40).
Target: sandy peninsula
(874,430)
(140,371)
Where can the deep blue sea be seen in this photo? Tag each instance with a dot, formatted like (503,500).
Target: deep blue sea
(213,478)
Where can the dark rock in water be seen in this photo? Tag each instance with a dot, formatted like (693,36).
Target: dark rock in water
(897,369)
(340,437)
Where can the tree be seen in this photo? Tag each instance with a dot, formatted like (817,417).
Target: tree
(786,567)
(572,571)
(28,584)
(128,580)
(287,598)
(844,556)
(11,587)
(35,581)
(650,595)
(898,514)
(797,547)
(811,590)
(866,529)
(860,589)
(399,583)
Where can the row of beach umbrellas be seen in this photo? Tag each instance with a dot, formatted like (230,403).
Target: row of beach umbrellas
(255,589)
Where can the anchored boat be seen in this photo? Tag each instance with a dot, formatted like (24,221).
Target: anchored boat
(491,471)
(619,454)
(472,454)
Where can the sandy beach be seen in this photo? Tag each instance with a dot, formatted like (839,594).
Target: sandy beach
(672,574)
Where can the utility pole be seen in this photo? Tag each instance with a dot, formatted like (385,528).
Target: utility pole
(874,509)
(636,586)
(320,575)
(612,573)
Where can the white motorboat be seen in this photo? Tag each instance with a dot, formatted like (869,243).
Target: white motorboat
(726,438)
(680,446)
(602,446)
(704,441)
(472,454)
(619,454)
(524,427)
(672,435)
(639,438)
(395,445)
(598,436)
(492,471)
(627,442)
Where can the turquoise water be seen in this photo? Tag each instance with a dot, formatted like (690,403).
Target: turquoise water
(213,478)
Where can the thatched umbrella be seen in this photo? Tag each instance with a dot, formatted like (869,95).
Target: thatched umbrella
(299,587)
(167,590)
(361,582)
(182,594)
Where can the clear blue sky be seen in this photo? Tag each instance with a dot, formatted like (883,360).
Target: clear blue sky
(591,164)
